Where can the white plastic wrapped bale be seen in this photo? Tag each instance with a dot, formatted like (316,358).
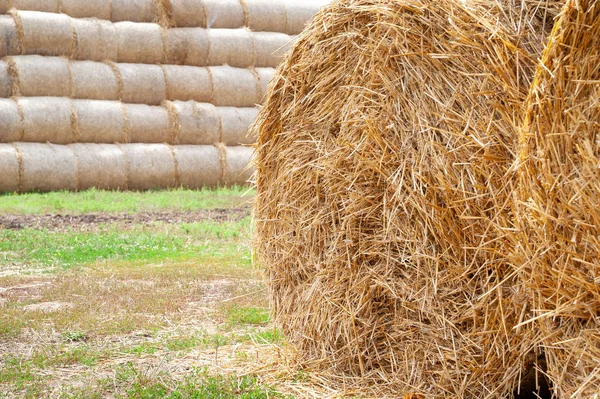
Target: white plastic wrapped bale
(198,123)
(235,125)
(150,166)
(10,121)
(198,165)
(140,43)
(96,40)
(102,166)
(147,124)
(34,76)
(224,14)
(45,33)
(95,80)
(100,121)
(47,167)
(142,84)
(238,168)
(9,169)
(9,43)
(47,119)
(186,46)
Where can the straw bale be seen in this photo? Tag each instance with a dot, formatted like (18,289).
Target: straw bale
(266,15)
(47,167)
(143,84)
(30,5)
(45,33)
(5,81)
(102,166)
(96,40)
(188,83)
(270,48)
(150,166)
(188,13)
(94,80)
(37,76)
(224,14)
(238,168)
(132,10)
(558,249)
(47,119)
(299,12)
(198,165)
(9,169)
(382,197)
(100,121)
(10,121)
(235,124)
(9,43)
(147,124)
(100,9)
(186,46)
(233,47)
(140,42)
(234,87)
(199,123)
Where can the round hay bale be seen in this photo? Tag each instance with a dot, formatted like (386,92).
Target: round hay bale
(234,87)
(198,165)
(143,84)
(47,119)
(186,46)
(266,15)
(238,167)
(188,13)
(299,12)
(132,10)
(233,47)
(224,14)
(100,9)
(139,42)
(96,40)
(45,33)
(558,209)
(94,81)
(30,5)
(264,77)
(150,166)
(270,48)
(100,121)
(37,76)
(235,124)
(186,83)
(199,123)
(10,115)
(147,124)
(9,169)
(9,42)
(47,167)
(102,166)
(5,80)
(382,197)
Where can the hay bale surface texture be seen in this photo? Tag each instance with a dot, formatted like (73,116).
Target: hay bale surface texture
(382,198)
(559,206)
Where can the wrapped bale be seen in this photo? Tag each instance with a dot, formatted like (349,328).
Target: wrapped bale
(37,76)
(132,10)
(266,15)
(224,14)
(95,80)
(31,5)
(382,198)
(48,119)
(299,12)
(45,33)
(147,124)
(101,121)
(139,43)
(100,9)
(142,84)
(235,124)
(5,80)
(9,169)
(188,83)
(188,13)
(96,40)
(198,123)
(9,42)
(186,46)
(270,48)
(558,249)
(237,165)
(47,167)
(150,166)
(102,166)
(235,87)
(233,47)
(10,121)
(264,77)
(198,165)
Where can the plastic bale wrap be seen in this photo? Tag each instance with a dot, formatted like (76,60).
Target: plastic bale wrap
(94,81)
(300,12)
(382,197)
(10,121)
(45,34)
(132,10)
(102,166)
(139,42)
(100,121)
(47,167)
(9,42)
(238,165)
(31,5)
(47,119)
(9,169)
(266,15)
(100,9)
(233,47)
(186,46)
(150,166)
(270,48)
(235,125)
(224,14)
(188,83)
(198,165)
(234,87)
(147,124)
(37,76)
(188,13)
(143,84)
(199,123)
(96,40)
(558,206)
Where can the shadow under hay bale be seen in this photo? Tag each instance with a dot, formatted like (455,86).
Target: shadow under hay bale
(558,201)
(383,150)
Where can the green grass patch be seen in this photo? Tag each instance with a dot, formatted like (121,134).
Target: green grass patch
(239,315)
(129,202)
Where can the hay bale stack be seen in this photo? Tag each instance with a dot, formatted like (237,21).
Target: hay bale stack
(558,250)
(383,150)
(9,168)
(46,167)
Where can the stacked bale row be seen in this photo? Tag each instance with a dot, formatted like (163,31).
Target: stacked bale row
(135,94)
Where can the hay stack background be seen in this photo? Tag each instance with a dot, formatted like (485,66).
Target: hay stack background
(559,210)
(382,197)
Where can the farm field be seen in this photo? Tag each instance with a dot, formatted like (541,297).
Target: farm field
(135,295)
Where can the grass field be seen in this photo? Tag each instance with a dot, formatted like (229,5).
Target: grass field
(135,295)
